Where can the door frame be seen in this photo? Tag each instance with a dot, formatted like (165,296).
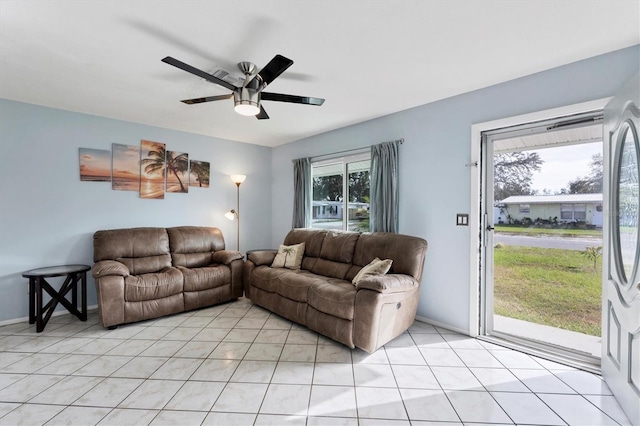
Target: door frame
(476,276)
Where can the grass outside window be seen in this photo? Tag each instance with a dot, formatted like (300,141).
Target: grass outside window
(562,232)
(553,287)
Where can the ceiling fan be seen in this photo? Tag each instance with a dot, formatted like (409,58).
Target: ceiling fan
(247,94)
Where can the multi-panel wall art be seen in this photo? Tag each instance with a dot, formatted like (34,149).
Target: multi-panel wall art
(148,169)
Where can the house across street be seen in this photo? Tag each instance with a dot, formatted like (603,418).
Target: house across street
(565,208)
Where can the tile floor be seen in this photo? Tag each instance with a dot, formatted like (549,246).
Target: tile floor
(238,364)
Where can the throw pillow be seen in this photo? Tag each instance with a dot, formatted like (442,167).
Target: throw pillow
(289,256)
(376,267)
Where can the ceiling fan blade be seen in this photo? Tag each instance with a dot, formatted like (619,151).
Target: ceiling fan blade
(207,99)
(195,71)
(279,97)
(271,71)
(262,115)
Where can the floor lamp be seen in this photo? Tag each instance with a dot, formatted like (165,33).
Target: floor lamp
(235,214)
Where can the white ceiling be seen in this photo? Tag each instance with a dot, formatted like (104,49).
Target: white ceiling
(367,58)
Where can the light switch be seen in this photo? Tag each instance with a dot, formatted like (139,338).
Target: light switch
(462,219)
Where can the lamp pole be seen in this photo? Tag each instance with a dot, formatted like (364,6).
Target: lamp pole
(238,212)
(238,179)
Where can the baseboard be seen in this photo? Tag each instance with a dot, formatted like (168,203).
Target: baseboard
(442,325)
(55,314)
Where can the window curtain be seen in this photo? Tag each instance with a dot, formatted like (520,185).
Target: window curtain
(384,187)
(301,193)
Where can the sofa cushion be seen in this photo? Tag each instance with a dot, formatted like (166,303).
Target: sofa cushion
(198,279)
(330,268)
(407,252)
(193,246)
(293,285)
(141,250)
(334,297)
(339,246)
(153,286)
(312,239)
(376,267)
(289,257)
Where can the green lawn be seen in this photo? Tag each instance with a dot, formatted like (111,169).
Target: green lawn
(553,287)
(548,231)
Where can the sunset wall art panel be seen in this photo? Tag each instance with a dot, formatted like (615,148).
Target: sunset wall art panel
(177,171)
(152,169)
(199,174)
(126,167)
(95,165)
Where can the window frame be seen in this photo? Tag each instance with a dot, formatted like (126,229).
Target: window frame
(574,208)
(343,160)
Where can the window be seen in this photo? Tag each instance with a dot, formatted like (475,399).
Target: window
(574,212)
(580,212)
(525,208)
(339,203)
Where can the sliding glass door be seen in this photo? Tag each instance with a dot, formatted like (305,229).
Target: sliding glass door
(542,236)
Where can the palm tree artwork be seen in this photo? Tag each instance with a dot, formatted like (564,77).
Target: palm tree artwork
(287,251)
(177,166)
(199,173)
(152,169)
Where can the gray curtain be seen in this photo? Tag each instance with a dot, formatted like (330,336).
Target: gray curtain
(384,187)
(301,192)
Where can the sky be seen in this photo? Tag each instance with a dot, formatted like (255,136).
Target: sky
(95,162)
(562,165)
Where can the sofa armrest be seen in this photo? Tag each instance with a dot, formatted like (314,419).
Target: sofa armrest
(262,257)
(225,257)
(109,267)
(391,283)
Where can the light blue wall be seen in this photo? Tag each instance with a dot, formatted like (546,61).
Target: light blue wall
(48,216)
(434,182)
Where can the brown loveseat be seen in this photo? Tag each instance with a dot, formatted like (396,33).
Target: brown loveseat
(144,273)
(321,295)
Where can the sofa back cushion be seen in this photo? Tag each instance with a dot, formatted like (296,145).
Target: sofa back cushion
(339,246)
(336,254)
(193,246)
(407,253)
(142,250)
(312,239)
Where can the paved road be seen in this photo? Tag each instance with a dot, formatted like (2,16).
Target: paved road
(546,241)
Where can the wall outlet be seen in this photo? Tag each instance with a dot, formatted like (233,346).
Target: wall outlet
(462,219)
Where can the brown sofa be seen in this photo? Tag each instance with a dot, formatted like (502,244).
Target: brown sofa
(321,296)
(144,273)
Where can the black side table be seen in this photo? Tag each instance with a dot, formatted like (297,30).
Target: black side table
(38,283)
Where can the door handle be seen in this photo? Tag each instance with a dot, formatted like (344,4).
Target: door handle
(490,228)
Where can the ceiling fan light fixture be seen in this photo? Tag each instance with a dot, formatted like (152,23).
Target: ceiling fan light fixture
(248,95)
(247,109)
(246,101)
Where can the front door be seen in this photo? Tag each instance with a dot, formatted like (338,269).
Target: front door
(621,274)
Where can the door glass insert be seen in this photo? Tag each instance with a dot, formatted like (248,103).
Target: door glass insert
(628,202)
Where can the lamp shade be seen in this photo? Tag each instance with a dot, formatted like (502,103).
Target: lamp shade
(237,179)
(231,215)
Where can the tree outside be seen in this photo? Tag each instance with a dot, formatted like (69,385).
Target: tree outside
(513,173)
(592,184)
